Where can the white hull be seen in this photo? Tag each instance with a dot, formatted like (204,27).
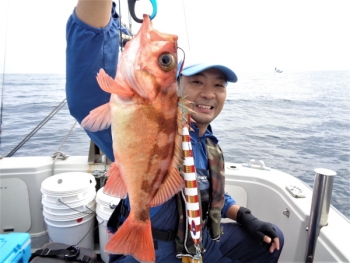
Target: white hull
(262,191)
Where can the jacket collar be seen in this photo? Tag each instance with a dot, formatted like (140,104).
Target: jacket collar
(207,134)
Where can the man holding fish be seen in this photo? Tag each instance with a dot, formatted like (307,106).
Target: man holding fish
(138,115)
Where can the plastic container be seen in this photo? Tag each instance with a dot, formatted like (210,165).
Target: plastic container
(72,231)
(69,208)
(68,183)
(105,205)
(104,236)
(68,198)
(15,247)
(90,209)
(62,210)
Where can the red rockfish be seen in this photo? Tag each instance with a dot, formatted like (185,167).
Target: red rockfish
(146,128)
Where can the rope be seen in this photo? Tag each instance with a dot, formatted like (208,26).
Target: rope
(65,138)
(37,128)
(59,154)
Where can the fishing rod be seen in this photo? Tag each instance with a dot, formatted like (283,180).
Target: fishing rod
(37,128)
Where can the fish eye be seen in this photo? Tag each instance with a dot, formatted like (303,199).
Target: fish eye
(166,61)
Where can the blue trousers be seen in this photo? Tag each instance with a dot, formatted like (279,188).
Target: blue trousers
(235,246)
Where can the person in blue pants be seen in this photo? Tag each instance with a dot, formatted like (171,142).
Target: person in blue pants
(93,43)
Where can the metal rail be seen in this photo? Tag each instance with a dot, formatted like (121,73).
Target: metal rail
(321,201)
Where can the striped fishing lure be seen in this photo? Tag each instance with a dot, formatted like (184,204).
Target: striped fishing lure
(191,189)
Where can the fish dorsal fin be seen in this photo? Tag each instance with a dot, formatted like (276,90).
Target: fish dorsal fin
(98,119)
(172,184)
(115,185)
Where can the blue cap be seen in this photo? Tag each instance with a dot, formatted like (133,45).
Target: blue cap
(193,69)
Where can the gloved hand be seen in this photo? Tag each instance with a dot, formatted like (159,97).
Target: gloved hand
(256,228)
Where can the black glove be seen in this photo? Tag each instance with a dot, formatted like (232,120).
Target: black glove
(256,228)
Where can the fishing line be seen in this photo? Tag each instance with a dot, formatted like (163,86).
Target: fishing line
(3,72)
(181,104)
(120,28)
(130,21)
(188,38)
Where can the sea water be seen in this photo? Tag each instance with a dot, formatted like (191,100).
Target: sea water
(293,121)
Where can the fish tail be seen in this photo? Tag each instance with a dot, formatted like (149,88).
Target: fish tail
(134,238)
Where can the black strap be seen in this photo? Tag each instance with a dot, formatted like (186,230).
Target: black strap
(69,254)
(115,220)
(163,235)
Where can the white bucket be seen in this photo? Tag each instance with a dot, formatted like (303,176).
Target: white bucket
(108,202)
(103,211)
(105,205)
(78,231)
(67,188)
(83,206)
(89,209)
(68,183)
(104,236)
(68,207)
(68,198)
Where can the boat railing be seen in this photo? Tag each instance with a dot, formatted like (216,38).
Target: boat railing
(320,204)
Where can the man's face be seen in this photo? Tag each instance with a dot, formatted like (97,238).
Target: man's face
(207,91)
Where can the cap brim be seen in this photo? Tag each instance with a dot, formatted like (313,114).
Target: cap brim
(194,69)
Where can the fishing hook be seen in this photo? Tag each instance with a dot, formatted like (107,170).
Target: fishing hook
(131,4)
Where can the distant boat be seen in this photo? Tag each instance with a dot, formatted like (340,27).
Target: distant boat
(278,70)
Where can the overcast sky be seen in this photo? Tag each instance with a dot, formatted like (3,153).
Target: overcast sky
(250,34)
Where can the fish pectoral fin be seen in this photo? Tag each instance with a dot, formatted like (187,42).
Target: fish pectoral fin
(115,185)
(172,184)
(134,238)
(98,119)
(109,85)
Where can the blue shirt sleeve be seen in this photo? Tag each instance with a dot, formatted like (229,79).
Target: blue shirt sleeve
(88,50)
(229,201)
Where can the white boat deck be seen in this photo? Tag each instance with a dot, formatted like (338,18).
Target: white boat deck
(262,191)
